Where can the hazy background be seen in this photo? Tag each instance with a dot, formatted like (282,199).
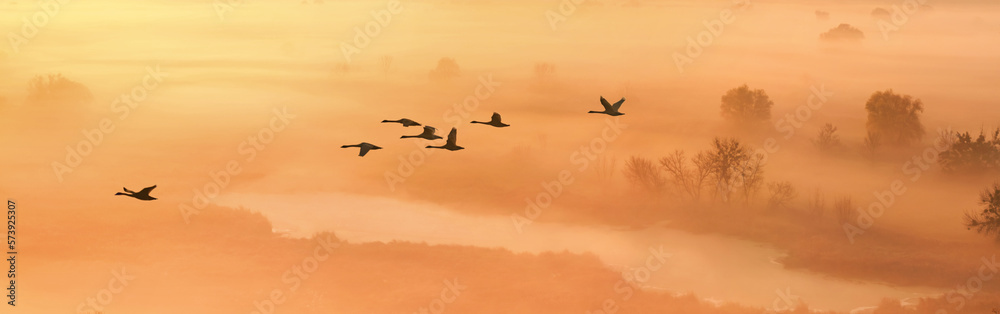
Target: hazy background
(226,74)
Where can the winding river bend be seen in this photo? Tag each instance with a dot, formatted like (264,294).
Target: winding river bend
(716,268)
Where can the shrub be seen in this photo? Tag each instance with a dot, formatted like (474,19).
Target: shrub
(822,15)
(827,139)
(987,221)
(843,32)
(967,156)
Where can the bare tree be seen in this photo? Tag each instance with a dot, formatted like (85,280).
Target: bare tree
(782,193)
(751,175)
(817,204)
(605,168)
(544,71)
(727,155)
(873,142)
(386,63)
(342,68)
(827,139)
(689,178)
(844,208)
(643,173)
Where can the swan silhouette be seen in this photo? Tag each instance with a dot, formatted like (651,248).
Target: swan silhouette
(450,145)
(142,194)
(494,121)
(404,121)
(609,109)
(427,134)
(365,147)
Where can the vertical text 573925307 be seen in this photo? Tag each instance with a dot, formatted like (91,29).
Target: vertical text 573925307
(11,252)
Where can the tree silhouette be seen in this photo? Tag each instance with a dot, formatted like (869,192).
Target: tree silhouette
(689,179)
(386,63)
(822,15)
(342,68)
(605,166)
(987,221)
(642,173)
(817,203)
(873,142)
(734,166)
(827,140)
(967,156)
(446,69)
(782,193)
(543,76)
(895,117)
(844,208)
(745,107)
(544,71)
(844,32)
(55,89)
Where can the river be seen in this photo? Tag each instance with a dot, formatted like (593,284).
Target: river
(716,268)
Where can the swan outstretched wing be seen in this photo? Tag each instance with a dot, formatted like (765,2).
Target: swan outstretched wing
(147,190)
(604,102)
(453,136)
(617,104)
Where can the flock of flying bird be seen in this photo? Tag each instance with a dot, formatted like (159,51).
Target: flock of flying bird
(428,134)
(451,144)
